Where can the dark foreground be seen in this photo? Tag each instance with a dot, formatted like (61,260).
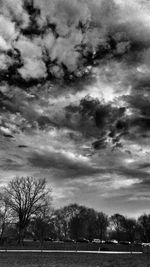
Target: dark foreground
(72,246)
(72,260)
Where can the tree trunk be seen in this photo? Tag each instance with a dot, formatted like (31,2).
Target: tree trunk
(2,233)
(21,236)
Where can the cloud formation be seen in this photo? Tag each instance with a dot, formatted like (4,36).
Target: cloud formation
(74,97)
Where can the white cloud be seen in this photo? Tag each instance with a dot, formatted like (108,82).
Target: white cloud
(13,9)
(119,183)
(5,62)
(7,30)
(34,69)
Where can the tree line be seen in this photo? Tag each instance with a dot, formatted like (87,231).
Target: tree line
(26,211)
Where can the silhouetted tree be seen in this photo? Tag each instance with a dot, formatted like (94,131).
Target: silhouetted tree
(82,225)
(117,224)
(144,227)
(27,196)
(5,214)
(40,229)
(102,223)
(75,221)
(74,227)
(130,228)
(62,218)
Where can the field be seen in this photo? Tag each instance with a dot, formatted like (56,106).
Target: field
(73,246)
(72,260)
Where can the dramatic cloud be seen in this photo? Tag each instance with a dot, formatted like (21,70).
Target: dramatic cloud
(74,99)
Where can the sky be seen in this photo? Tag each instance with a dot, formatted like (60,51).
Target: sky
(75,100)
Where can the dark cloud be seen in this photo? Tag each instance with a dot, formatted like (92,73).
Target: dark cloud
(66,164)
(74,95)
(98,120)
(22,146)
(63,37)
(59,38)
(140,102)
(134,173)
(10,165)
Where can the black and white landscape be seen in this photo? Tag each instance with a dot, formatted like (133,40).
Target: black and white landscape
(75,100)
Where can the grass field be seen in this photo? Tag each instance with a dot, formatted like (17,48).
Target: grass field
(72,260)
(72,246)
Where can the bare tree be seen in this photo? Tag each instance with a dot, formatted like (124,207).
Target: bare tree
(101,224)
(144,227)
(117,224)
(27,196)
(41,229)
(130,228)
(5,214)
(42,224)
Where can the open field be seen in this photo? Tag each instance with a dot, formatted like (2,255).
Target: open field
(74,246)
(72,260)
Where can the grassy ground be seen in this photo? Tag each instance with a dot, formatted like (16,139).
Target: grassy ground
(72,260)
(72,246)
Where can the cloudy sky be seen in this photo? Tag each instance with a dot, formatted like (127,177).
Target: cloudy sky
(75,99)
